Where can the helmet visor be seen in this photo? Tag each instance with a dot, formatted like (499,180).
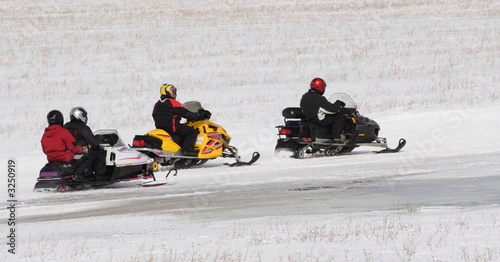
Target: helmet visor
(173,92)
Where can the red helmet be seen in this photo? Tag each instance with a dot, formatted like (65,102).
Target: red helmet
(318,84)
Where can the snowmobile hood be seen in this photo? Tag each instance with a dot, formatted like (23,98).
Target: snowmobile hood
(125,156)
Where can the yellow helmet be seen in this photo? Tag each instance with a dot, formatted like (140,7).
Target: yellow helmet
(168,90)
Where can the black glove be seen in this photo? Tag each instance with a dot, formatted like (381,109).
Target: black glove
(204,114)
(81,143)
(340,103)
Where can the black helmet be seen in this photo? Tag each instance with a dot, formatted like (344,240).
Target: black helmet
(79,114)
(55,117)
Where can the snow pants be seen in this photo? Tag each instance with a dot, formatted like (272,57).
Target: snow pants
(188,133)
(335,122)
(92,162)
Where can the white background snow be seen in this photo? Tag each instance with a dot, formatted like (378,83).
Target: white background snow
(425,70)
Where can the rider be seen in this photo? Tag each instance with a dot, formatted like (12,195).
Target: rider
(320,111)
(167,114)
(95,160)
(57,142)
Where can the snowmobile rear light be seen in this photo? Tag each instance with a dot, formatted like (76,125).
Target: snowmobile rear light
(285,131)
(139,143)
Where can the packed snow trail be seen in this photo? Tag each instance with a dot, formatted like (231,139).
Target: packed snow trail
(383,189)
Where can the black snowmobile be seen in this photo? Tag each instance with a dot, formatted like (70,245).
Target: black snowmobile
(122,164)
(301,137)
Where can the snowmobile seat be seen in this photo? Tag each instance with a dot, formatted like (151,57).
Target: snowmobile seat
(57,169)
(300,126)
(303,126)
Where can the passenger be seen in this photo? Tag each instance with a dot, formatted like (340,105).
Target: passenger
(57,142)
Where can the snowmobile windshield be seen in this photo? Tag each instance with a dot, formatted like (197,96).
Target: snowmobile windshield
(349,103)
(192,106)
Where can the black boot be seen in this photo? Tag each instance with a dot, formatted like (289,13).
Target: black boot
(189,153)
(79,178)
(102,178)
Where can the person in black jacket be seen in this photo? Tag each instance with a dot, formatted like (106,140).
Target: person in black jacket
(167,114)
(95,160)
(319,111)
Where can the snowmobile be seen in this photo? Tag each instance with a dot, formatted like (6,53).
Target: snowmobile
(301,137)
(212,142)
(122,164)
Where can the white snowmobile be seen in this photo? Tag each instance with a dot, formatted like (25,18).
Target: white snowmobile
(122,164)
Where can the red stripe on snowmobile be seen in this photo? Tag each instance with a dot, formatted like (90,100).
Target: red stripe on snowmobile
(215,135)
(166,136)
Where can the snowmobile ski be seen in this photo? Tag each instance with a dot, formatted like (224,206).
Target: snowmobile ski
(254,159)
(162,182)
(402,143)
(153,183)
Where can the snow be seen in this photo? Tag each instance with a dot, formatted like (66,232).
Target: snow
(424,70)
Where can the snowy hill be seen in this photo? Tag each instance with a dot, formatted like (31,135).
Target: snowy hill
(424,70)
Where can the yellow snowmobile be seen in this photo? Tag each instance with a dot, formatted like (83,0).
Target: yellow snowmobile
(212,142)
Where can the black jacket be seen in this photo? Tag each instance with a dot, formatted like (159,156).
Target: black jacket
(167,114)
(82,133)
(313,100)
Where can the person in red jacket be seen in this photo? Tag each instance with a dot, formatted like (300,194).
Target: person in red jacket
(57,142)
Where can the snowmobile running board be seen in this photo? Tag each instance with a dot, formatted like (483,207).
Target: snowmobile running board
(162,182)
(162,153)
(178,156)
(336,148)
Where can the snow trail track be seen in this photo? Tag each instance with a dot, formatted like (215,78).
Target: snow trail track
(381,188)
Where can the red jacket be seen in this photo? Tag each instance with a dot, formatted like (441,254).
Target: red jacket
(57,144)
